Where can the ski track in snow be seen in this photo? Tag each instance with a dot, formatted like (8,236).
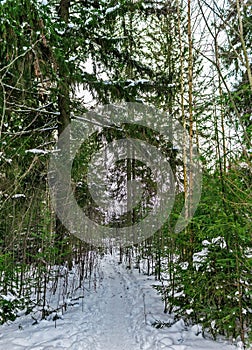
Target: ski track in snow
(117,316)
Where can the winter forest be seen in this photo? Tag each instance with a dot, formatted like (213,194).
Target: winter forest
(62,62)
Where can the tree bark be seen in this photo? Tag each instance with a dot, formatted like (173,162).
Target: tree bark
(63,121)
(191,122)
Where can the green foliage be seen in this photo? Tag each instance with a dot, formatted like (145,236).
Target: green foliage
(215,289)
(132,52)
(9,309)
(42,60)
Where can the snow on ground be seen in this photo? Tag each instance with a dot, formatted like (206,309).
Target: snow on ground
(118,315)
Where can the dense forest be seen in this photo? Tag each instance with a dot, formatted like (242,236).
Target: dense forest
(190,60)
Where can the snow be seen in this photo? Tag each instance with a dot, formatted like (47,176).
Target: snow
(219,241)
(36,151)
(72,58)
(137,82)
(60,32)
(118,314)
(112,9)
(199,258)
(18,195)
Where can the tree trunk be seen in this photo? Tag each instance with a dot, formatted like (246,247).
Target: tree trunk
(191,123)
(63,121)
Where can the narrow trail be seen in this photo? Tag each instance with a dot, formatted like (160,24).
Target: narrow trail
(116,307)
(118,315)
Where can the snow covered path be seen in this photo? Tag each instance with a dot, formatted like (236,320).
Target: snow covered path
(116,309)
(117,316)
